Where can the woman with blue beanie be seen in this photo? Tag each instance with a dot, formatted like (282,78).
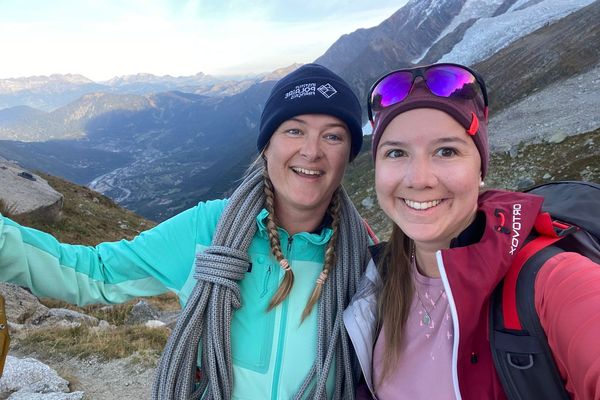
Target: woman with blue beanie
(264,276)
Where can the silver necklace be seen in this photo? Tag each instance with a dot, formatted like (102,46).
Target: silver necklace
(426,319)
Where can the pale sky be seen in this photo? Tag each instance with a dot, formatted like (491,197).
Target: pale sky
(104,38)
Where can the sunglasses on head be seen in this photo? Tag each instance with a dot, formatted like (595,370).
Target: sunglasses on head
(443,80)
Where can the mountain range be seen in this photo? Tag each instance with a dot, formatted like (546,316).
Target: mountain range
(158,145)
(47,93)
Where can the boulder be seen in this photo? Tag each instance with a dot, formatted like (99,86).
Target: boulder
(64,318)
(23,192)
(141,313)
(28,378)
(169,318)
(20,373)
(367,203)
(24,311)
(21,306)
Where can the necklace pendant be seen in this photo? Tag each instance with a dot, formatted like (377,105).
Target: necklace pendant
(426,319)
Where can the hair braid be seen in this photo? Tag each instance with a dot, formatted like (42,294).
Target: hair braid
(334,211)
(288,278)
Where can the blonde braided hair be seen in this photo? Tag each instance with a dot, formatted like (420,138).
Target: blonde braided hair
(288,278)
(334,211)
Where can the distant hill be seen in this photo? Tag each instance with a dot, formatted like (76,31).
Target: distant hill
(161,157)
(45,92)
(18,115)
(67,122)
(88,217)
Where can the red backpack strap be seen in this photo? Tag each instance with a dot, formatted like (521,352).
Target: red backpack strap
(372,234)
(550,231)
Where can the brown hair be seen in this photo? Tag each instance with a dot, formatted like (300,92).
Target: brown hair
(334,211)
(288,279)
(395,298)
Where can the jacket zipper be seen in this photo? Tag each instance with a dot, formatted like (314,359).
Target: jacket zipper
(453,311)
(266,282)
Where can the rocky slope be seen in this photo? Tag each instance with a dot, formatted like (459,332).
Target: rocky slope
(64,352)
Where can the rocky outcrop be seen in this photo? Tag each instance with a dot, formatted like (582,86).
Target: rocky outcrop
(64,318)
(21,305)
(24,311)
(141,313)
(146,314)
(27,378)
(23,192)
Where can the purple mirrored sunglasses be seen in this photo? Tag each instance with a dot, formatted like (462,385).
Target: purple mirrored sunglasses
(443,80)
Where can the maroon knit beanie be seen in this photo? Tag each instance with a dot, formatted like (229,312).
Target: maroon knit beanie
(470,113)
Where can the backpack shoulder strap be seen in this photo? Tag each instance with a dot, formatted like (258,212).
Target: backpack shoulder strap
(370,232)
(520,349)
(550,231)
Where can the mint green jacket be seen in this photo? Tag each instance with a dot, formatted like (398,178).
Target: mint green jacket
(272,351)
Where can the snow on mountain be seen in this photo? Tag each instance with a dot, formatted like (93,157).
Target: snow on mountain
(472,9)
(491,34)
(12,85)
(145,78)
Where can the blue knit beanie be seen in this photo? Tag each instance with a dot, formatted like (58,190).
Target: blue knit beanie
(311,89)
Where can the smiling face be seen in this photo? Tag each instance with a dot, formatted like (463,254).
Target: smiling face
(427,174)
(306,159)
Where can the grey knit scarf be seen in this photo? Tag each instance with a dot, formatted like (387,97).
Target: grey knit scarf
(206,318)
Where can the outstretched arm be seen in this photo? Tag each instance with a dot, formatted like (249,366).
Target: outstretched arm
(567,299)
(155,261)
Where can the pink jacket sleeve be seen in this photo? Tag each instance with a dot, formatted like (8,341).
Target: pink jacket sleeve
(567,299)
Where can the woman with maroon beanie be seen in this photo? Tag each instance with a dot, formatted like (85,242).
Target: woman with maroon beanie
(419,321)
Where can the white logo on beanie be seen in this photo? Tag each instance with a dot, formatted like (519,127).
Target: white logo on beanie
(327,90)
(310,89)
(306,89)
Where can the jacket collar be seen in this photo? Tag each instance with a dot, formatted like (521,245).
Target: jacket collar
(490,244)
(320,236)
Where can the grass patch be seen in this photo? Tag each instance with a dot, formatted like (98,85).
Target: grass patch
(85,342)
(118,341)
(6,209)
